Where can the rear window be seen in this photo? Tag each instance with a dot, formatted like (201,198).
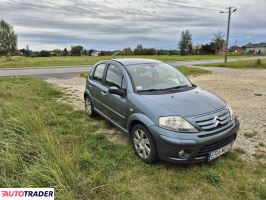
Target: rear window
(98,73)
(114,76)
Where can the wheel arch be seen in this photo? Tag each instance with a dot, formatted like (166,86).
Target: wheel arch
(138,118)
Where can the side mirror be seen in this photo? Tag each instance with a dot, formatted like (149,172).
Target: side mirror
(116,90)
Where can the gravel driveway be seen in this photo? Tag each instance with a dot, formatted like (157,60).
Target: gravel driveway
(243,90)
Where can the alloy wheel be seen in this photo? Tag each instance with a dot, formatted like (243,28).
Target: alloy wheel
(88,106)
(142,143)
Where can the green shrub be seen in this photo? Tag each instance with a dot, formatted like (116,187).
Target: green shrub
(258,62)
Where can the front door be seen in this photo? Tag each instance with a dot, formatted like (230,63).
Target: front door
(115,104)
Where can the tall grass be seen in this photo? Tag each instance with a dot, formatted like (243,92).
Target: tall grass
(30,155)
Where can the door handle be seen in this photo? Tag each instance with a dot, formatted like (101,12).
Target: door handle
(103,93)
(90,85)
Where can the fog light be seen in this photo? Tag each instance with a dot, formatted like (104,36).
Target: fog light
(183,154)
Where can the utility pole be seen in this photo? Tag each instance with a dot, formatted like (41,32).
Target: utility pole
(228,31)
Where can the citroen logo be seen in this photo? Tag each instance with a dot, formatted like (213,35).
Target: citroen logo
(216,121)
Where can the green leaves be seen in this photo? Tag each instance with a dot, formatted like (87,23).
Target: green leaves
(8,39)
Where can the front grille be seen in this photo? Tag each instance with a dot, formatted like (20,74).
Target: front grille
(214,146)
(213,121)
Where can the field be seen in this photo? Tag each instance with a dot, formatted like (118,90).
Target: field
(45,143)
(87,60)
(247,64)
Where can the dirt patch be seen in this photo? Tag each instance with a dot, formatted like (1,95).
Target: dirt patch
(243,90)
(74,90)
(240,89)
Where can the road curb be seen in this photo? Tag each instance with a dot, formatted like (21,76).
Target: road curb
(48,67)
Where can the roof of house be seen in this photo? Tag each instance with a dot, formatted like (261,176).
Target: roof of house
(133,61)
(250,45)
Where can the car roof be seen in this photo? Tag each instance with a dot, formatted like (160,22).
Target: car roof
(134,61)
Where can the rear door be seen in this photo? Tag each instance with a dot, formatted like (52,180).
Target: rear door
(115,104)
(97,87)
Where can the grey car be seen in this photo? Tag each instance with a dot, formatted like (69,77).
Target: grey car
(162,112)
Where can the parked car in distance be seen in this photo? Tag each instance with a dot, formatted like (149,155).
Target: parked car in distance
(166,116)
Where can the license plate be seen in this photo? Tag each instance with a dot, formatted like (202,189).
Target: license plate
(219,152)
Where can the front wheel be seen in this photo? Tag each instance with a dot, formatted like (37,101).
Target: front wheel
(143,144)
(89,107)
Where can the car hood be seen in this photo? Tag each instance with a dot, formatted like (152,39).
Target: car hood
(188,103)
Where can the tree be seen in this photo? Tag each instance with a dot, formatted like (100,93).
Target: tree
(76,50)
(8,39)
(127,51)
(65,52)
(57,52)
(208,49)
(138,50)
(185,43)
(218,41)
(28,51)
(44,53)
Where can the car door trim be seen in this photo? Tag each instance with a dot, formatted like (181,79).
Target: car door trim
(109,108)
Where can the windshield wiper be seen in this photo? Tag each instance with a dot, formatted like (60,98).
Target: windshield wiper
(151,90)
(177,87)
(163,89)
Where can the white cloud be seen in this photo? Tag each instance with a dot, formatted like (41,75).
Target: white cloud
(109,24)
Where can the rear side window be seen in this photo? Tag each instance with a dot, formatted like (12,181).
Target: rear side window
(114,76)
(99,72)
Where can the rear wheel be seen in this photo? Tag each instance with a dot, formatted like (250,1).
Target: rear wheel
(89,107)
(143,144)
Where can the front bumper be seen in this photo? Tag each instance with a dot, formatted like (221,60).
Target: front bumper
(198,145)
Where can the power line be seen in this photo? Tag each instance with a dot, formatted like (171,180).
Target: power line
(185,6)
(201,3)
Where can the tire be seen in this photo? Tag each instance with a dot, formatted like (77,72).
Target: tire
(143,144)
(89,107)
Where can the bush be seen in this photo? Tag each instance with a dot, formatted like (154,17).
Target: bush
(44,53)
(258,62)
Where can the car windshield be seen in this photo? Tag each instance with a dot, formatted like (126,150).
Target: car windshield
(157,77)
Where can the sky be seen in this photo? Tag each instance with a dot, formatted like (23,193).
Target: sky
(116,24)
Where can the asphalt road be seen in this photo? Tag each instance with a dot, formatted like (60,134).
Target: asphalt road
(70,71)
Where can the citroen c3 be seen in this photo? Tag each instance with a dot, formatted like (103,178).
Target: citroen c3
(165,115)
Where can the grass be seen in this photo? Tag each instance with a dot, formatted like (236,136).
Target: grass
(240,150)
(45,143)
(245,64)
(188,71)
(87,60)
(84,74)
(250,134)
(259,95)
(192,71)
(261,144)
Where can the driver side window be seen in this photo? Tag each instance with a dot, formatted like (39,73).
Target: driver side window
(114,77)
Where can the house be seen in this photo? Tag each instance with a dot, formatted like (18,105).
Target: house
(259,48)
(196,48)
(95,53)
(237,50)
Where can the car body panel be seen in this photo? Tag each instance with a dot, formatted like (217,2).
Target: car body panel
(188,103)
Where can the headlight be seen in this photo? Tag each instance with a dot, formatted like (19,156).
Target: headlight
(176,123)
(232,116)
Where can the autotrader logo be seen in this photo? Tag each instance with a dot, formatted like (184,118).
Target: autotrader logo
(27,193)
